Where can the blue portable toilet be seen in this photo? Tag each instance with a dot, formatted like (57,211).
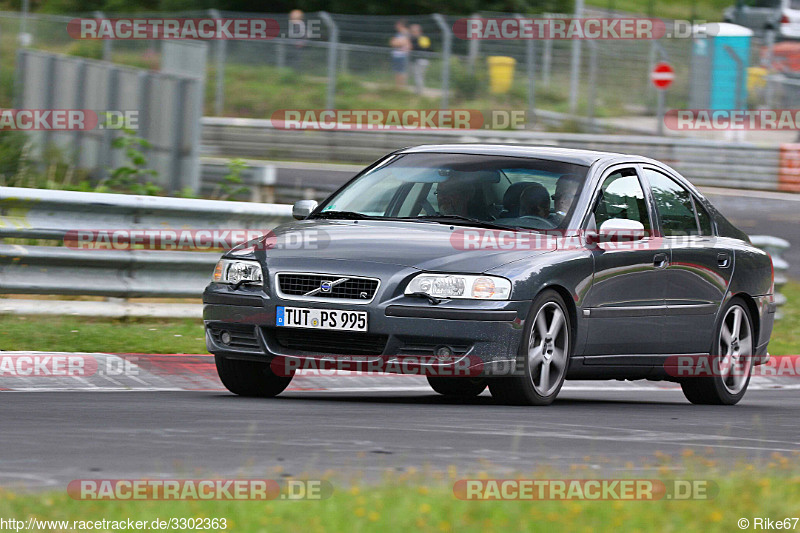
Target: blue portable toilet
(720,58)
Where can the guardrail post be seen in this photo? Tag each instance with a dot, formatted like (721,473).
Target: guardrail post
(592,85)
(24,38)
(280,55)
(473,49)
(547,56)
(529,63)
(333,44)
(575,67)
(345,61)
(106,42)
(263,191)
(219,70)
(739,74)
(447,45)
(775,246)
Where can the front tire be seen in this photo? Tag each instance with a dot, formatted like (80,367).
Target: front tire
(250,378)
(457,387)
(544,352)
(731,360)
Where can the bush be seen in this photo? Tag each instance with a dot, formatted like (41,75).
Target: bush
(466,84)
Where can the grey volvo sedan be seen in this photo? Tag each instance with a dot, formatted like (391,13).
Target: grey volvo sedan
(507,267)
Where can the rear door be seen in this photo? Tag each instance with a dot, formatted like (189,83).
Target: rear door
(701,267)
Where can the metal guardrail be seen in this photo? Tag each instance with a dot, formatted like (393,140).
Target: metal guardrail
(49,214)
(775,246)
(704,162)
(38,214)
(282,182)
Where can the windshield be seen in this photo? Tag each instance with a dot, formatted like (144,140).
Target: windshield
(504,191)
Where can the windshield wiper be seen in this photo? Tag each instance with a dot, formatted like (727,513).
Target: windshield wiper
(348,215)
(462,220)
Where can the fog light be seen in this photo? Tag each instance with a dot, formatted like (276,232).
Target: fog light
(443,352)
(225,337)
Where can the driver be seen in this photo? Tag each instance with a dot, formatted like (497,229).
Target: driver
(453,197)
(534,201)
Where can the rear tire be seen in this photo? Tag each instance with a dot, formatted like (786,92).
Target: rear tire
(458,387)
(731,361)
(250,378)
(544,355)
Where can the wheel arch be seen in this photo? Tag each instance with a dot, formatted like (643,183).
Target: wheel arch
(572,308)
(752,307)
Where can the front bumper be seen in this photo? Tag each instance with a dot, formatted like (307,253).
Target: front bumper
(481,334)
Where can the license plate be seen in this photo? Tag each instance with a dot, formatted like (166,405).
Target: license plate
(333,319)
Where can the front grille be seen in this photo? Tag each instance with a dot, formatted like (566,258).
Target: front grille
(331,342)
(343,287)
(242,337)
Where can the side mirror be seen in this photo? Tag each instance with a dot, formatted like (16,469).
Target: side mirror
(621,230)
(303,208)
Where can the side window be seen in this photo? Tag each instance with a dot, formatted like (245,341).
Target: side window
(674,204)
(621,196)
(704,219)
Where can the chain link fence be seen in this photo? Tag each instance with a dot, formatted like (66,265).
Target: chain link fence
(345,62)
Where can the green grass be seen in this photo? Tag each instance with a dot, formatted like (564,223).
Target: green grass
(786,335)
(411,502)
(81,334)
(72,334)
(710,10)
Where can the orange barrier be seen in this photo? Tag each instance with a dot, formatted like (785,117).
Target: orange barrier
(789,168)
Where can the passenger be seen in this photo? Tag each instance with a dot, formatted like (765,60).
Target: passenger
(534,201)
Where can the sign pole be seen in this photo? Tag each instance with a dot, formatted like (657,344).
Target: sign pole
(662,77)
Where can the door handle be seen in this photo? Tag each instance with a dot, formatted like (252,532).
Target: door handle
(660,261)
(723,260)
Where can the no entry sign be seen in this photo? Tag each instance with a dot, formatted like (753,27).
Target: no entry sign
(662,75)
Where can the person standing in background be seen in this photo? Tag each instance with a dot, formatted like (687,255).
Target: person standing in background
(297,34)
(401,48)
(419,43)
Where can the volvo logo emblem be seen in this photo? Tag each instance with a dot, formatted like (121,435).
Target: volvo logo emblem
(325,286)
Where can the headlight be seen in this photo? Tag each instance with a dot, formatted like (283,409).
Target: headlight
(461,286)
(237,270)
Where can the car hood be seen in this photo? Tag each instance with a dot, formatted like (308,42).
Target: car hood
(421,245)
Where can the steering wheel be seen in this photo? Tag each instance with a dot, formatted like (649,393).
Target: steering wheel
(542,223)
(428,208)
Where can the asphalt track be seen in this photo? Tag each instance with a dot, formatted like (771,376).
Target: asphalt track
(763,213)
(134,425)
(167,416)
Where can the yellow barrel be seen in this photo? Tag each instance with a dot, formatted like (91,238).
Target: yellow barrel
(501,73)
(756,78)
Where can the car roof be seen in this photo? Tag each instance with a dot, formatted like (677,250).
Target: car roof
(551,153)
